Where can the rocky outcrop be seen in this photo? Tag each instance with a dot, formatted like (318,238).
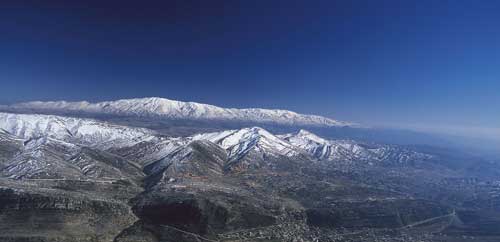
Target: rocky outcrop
(29,213)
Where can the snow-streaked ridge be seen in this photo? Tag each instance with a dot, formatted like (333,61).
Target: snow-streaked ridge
(165,108)
(349,150)
(83,131)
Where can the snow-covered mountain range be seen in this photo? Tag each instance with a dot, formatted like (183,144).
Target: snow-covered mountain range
(171,109)
(49,145)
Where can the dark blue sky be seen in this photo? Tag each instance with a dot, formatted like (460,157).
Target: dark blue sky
(403,63)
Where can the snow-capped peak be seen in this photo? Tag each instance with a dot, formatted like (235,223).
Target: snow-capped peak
(171,109)
(239,142)
(306,135)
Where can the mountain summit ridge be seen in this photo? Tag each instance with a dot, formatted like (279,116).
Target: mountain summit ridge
(172,109)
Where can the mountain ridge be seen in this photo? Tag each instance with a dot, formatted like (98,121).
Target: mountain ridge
(237,142)
(86,131)
(172,109)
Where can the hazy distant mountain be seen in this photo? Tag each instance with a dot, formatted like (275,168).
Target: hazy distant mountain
(171,109)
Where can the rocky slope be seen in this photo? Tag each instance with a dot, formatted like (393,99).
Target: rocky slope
(64,210)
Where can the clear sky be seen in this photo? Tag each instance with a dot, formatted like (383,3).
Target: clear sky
(403,63)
